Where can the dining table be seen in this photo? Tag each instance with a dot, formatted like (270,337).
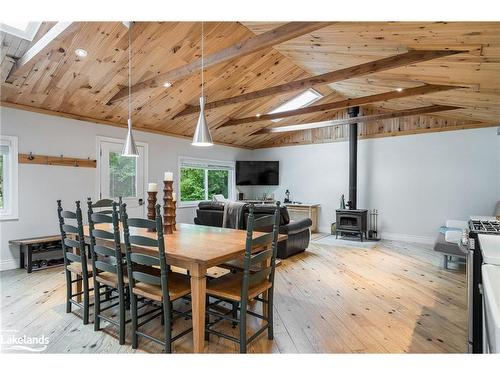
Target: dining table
(195,248)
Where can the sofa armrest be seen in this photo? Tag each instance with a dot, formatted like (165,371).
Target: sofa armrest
(296,226)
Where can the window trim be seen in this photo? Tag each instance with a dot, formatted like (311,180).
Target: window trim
(12,211)
(28,33)
(206,164)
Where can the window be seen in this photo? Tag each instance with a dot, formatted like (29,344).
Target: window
(301,100)
(8,178)
(202,179)
(24,30)
(122,172)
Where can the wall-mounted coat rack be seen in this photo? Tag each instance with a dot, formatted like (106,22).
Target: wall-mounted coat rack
(56,160)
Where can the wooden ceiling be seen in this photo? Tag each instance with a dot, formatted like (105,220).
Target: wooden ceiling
(58,82)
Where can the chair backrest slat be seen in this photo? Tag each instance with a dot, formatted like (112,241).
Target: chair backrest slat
(68,215)
(263,240)
(143,241)
(146,278)
(100,217)
(103,234)
(263,221)
(105,251)
(141,223)
(71,243)
(72,257)
(103,203)
(103,266)
(144,259)
(68,228)
(261,257)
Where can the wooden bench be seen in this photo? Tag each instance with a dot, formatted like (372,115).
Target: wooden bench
(44,244)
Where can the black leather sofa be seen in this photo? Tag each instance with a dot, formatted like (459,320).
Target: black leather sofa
(211,214)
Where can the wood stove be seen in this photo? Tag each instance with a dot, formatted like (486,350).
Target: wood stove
(352,222)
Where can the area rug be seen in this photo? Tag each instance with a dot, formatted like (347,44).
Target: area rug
(332,241)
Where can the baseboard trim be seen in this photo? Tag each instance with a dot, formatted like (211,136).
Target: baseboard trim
(407,238)
(9,264)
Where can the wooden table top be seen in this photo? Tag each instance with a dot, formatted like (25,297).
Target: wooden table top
(196,243)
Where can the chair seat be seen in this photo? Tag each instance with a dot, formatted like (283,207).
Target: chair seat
(76,267)
(110,279)
(229,287)
(178,285)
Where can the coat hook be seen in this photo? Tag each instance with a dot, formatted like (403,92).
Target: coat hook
(30,156)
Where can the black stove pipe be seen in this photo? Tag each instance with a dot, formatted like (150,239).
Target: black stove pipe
(353,158)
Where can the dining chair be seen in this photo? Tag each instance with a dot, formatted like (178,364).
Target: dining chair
(161,288)
(108,268)
(240,288)
(75,258)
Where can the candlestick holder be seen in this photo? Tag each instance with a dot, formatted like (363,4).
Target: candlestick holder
(175,215)
(151,208)
(168,208)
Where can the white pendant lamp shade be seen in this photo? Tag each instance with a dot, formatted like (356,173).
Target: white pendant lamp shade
(130,148)
(202,136)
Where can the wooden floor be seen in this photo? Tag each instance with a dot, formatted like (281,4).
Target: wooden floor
(330,299)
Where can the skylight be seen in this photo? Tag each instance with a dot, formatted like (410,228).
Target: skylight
(24,30)
(302,100)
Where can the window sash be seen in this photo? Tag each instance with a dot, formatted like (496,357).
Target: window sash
(8,150)
(206,165)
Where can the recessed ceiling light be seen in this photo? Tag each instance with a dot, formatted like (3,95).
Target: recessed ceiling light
(399,89)
(257,115)
(167,84)
(81,52)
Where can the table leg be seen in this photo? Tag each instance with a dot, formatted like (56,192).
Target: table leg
(198,295)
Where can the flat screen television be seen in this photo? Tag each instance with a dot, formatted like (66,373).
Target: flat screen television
(263,173)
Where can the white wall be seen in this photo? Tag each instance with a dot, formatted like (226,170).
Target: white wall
(416,182)
(40,186)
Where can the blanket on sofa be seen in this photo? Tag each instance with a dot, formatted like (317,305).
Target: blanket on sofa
(232,214)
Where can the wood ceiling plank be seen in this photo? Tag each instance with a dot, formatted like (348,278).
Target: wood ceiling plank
(387,63)
(413,91)
(347,121)
(57,33)
(276,36)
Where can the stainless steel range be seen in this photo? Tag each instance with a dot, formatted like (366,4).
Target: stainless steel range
(477,225)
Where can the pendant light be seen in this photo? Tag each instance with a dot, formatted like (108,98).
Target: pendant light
(129,148)
(202,135)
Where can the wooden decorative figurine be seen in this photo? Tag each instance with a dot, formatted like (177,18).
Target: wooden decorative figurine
(168,204)
(152,192)
(175,210)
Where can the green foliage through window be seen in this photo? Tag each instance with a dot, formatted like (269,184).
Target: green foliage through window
(192,183)
(122,173)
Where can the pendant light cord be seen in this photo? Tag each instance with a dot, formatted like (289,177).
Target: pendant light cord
(202,60)
(129,71)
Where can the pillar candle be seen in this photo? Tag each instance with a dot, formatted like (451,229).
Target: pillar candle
(169,176)
(152,187)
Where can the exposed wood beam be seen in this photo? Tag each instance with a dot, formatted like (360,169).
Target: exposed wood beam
(256,43)
(137,126)
(376,66)
(347,121)
(420,90)
(23,65)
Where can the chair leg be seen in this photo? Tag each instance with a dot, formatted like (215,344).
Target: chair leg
(207,320)
(69,290)
(133,308)
(86,297)
(97,306)
(270,331)
(243,327)
(167,313)
(121,297)
(235,313)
